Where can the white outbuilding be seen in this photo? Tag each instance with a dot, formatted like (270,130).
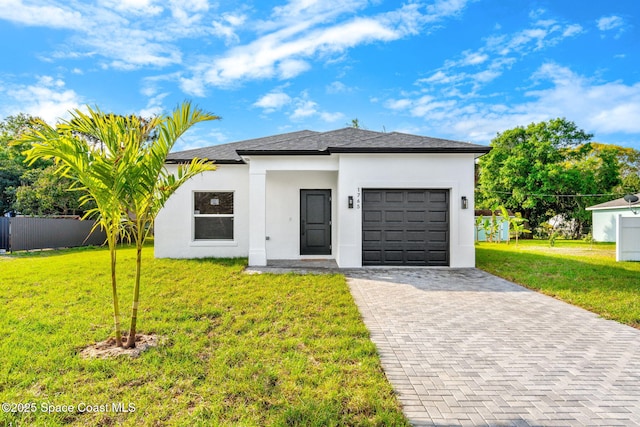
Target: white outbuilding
(605,217)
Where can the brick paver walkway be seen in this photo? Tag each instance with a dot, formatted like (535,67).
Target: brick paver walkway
(463,347)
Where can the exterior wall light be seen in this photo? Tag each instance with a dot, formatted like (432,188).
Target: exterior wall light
(350,201)
(464,202)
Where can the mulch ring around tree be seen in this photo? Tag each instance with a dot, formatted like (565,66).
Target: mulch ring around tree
(108,349)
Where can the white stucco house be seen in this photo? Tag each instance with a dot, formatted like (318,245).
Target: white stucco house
(605,217)
(355,196)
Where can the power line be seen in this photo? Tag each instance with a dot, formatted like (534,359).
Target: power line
(558,195)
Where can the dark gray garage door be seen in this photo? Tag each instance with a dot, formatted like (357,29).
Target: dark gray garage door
(405,227)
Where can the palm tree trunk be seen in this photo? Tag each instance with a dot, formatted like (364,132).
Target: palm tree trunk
(131,341)
(116,309)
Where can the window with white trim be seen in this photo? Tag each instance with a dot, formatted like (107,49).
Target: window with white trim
(213,215)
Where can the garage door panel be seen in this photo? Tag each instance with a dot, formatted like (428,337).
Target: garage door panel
(372,235)
(394,216)
(416,216)
(373,216)
(372,196)
(416,236)
(438,196)
(391,197)
(416,256)
(438,256)
(436,217)
(374,256)
(405,227)
(416,196)
(438,236)
(394,236)
(394,256)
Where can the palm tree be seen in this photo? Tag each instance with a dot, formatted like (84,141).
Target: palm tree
(94,172)
(150,185)
(118,161)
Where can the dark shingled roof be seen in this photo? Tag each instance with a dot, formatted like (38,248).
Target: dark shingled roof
(347,140)
(613,204)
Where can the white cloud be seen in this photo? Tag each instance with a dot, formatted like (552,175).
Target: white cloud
(297,108)
(154,106)
(128,34)
(572,30)
(472,70)
(304,108)
(228,25)
(290,68)
(273,101)
(331,117)
(135,7)
(47,98)
(49,16)
(602,108)
(304,31)
(608,23)
(473,58)
(283,54)
(337,87)
(131,34)
(442,8)
(200,136)
(612,23)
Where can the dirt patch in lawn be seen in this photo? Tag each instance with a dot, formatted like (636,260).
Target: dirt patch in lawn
(108,349)
(595,251)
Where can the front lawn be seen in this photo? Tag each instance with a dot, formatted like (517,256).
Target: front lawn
(250,350)
(583,274)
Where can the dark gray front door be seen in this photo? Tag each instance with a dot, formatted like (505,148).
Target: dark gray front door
(405,227)
(315,222)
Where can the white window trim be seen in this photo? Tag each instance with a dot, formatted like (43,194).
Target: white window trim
(212,242)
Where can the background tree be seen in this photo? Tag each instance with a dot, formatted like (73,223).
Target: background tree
(12,165)
(42,192)
(30,189)
(628,160)
(533,169)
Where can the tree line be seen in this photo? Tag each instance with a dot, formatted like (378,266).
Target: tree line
(553,169)
(32,189)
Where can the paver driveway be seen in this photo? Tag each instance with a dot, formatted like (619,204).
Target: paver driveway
(463,347)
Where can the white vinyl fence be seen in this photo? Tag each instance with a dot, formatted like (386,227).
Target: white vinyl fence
(628,238)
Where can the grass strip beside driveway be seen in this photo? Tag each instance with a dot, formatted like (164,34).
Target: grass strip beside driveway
(251,350)
(576,272)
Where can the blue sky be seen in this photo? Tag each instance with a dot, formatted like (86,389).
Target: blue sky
(458,69)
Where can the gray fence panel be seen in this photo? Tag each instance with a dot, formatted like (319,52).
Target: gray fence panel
(4,233)
(42,233)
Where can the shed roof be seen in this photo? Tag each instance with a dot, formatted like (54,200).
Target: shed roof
(346,140)
(614,204)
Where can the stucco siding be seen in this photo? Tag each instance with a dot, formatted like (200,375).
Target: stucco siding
(425,171)
(174,224)
(283,209)
(267,204)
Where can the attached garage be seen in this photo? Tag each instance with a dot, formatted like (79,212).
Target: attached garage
(405,227)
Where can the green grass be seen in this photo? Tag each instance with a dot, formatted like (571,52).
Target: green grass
(250,350)
(583,274)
